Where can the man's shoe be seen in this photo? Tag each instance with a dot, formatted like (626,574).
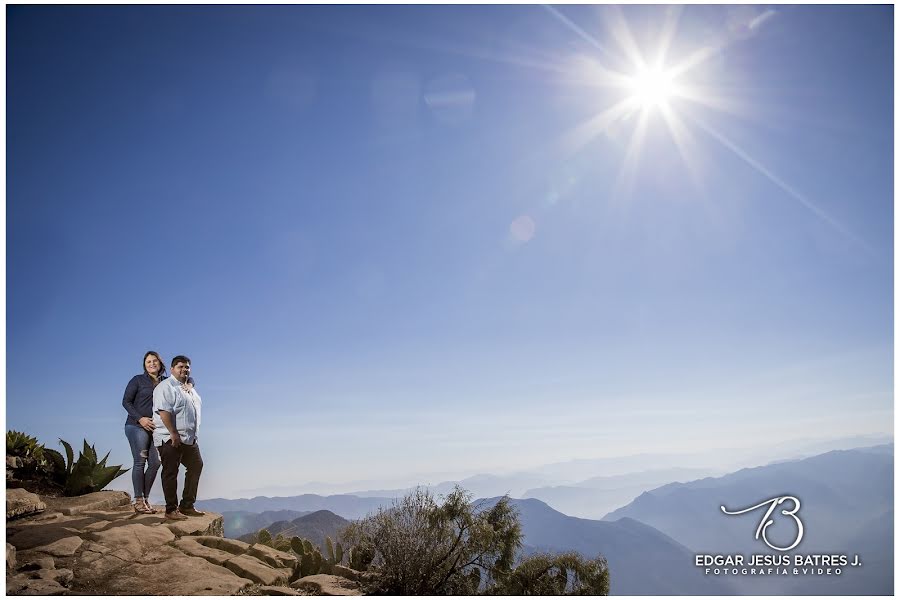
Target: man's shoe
(191,512)
(175,515)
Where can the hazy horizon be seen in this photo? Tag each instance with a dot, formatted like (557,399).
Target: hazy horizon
(404,241)
(726,460)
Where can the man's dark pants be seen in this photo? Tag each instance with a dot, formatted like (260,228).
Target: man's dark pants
(171,457)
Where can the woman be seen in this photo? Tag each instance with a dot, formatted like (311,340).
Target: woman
(138,402)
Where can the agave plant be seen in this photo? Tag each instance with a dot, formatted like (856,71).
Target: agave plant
(23,445)
(85,475)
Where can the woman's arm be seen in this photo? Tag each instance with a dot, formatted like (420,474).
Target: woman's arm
(130,395)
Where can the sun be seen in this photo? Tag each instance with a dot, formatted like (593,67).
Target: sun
(652,87)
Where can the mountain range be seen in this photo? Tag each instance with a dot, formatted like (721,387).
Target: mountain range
(846,499)
(315,527)
(239,522)
(846,507)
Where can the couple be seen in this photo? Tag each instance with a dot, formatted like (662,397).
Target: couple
(162,426)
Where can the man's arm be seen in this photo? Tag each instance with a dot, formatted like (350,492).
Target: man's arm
(164,405)
(168,420)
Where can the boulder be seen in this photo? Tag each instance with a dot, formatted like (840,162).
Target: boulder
(95,501)
(226,544)
(10,557)
(20,503)
(192,547)
(347,573)
(327,585)
(272,557)
(257,571)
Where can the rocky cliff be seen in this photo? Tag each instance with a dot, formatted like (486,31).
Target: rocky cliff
(97,544)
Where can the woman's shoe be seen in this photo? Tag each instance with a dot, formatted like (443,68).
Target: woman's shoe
(141,508)
(149,507)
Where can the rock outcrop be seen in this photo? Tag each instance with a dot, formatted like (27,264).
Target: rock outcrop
(20,503)
(97,544)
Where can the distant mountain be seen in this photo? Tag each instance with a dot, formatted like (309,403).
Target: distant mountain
(846,508)
(239,522)
(314,526)
(479,486)
(350,507)
(642,560)
(597,496)
(721,459)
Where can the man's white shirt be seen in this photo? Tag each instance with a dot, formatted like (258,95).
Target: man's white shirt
(184,407)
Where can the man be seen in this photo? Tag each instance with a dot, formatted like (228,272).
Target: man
(176,416)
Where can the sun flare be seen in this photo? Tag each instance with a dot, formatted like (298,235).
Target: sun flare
(652,87)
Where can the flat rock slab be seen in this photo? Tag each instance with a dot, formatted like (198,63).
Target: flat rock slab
(20,503)
(89,502)
(132,541)
(272,557)
(25,538)
(327,585)
(192,547)
(257,571)
(66,546)
(210,524)
(176,576)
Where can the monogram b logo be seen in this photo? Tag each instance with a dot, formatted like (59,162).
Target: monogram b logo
(766,521)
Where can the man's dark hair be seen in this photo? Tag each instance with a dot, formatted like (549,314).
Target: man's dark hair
(180,358)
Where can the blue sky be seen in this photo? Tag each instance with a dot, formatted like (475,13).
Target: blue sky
(392,248)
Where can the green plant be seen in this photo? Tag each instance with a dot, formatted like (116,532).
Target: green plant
(420,546)
(85,475)
(423,547)
(23,445)
(334,554)
(281,543)
(264,537)
(360,556)
(554,575)
(311,560)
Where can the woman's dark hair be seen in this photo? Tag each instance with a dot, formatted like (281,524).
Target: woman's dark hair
(162,365)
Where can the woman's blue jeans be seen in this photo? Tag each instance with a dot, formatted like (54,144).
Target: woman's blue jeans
(145,456)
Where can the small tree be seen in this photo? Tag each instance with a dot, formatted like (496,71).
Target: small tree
(422,547)
(264,537)
(419,546)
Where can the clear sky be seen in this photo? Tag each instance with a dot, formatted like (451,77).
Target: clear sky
(401,240)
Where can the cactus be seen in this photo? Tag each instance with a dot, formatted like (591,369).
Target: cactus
(333,554)
(311,560)
(297,545)
(361,557)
